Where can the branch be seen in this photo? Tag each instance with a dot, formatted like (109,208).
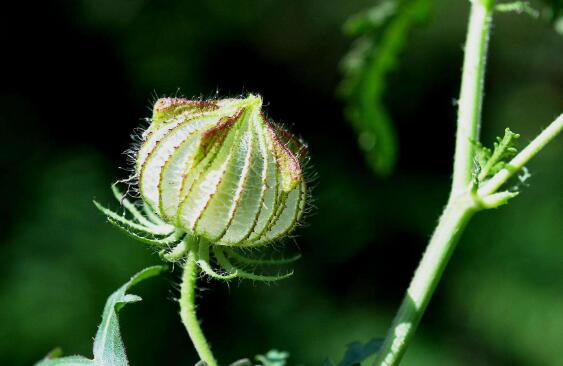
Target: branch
(471,94)
(460,207)
(518,162)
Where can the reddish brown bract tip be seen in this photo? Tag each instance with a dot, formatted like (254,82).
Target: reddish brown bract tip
(165,108)
(287,158)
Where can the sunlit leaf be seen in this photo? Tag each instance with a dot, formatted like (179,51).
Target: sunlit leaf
(108,344)
(54,359)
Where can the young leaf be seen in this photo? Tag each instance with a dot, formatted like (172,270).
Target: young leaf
(108,344)
(381,34)
(489,162)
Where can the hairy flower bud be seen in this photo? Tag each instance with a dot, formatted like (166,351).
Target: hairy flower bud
(220,171)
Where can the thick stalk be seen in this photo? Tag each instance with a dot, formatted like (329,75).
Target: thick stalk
(460,207)
(450,227)
(188,311)
(471,94)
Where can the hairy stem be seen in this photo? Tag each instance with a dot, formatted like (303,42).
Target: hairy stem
(471,94)
(188,311)
(518,162)
(454,219)
(460,206)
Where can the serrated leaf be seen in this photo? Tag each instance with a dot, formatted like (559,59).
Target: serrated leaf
(489,162)
(108,344)
(382,32)
(370,19)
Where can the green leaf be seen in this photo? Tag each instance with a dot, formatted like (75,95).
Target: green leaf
(66,361)
(356,353)
(489,162)
(52,359)
(108,344)
(273,358)
(381,33)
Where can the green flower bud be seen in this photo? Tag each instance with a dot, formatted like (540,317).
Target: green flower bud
(219,170)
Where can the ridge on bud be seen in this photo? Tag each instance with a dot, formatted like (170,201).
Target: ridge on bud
(219,170)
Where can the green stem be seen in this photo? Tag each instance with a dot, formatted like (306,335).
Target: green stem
(454,219)
(471,94)
(461,205)
(456,216)
(188,311)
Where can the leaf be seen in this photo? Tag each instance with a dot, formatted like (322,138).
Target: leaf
(53,359)
(66,361)
(489,162)
(381,33)
(356,353)
(273,358)
(108,344)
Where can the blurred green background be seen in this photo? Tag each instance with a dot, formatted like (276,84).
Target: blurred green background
(79,77)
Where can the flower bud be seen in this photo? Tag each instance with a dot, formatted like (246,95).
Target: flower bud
(219,170)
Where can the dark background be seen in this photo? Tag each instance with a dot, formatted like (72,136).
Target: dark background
(79,76)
